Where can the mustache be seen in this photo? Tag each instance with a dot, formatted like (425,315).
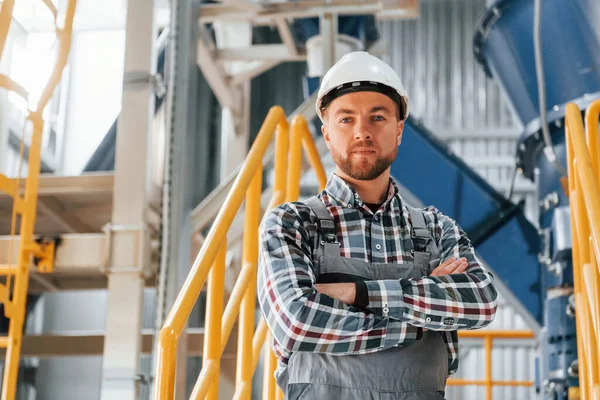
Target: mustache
(362,145)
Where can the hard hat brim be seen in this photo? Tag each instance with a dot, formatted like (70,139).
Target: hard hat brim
(363,86)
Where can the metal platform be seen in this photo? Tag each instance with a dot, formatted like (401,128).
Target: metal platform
(75,210)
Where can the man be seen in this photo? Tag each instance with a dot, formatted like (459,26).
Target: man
(362,293)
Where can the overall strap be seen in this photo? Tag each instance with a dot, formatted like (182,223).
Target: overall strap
(420,234)
(325,227)
(424,245)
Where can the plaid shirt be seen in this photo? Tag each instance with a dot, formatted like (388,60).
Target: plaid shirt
(301,319)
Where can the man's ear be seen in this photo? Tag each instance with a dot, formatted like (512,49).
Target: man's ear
(399,131)
(325,133)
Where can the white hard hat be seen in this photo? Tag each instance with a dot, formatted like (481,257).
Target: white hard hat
(360,71)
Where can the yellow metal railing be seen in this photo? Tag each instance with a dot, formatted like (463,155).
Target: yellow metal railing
(14,298)
(488,337)
(584,196)
(210,263)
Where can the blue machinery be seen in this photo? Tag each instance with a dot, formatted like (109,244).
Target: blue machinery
(533,266)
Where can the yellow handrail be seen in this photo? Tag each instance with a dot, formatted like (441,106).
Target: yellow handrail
(488,337)
(26,205)
(583,162)
(242,300)
(6,11)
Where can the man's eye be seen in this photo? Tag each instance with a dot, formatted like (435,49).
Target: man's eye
(378,118)
(345,120)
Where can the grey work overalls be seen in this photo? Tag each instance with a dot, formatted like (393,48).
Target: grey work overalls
(416,372)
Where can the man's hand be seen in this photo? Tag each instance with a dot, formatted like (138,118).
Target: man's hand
(451,266)
(344,292)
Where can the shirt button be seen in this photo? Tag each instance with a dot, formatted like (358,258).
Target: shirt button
(349,205)
(386,310)
(356,195)
(428,319)
(378,246)
(376,218)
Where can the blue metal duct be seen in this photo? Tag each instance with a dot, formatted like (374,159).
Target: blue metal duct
(570,48)
(498,229)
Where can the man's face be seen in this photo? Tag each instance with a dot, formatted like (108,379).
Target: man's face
(363,132)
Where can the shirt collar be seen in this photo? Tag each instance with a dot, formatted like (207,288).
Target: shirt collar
(340,191)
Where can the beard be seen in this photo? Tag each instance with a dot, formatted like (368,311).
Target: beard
(363,169)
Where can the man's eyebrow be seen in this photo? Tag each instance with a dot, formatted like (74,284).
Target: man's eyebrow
(344,111)
(381,108)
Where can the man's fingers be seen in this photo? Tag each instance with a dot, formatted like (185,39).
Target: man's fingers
(454,265)
(443,265)
(462,268)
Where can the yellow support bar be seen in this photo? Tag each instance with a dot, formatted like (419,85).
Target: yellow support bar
(27,205)
(250,260)
(179,313)
(214,313)
(583,162)
(5,299)
(13,86)
(4,342)
(6,11)
(7,269)
(8,186)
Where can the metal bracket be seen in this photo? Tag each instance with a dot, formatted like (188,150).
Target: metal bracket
(135,241)
(133,80)
(43,252)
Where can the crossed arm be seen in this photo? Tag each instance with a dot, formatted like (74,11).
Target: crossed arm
(303,319)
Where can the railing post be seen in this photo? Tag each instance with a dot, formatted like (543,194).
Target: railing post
(269,384)
(487,343)
(214,314)
(250,261)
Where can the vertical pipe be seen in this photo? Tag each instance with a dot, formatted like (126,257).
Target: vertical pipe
(258,342)
(269,386)
(214,314)
(585,172)
(591,348)
(250,260)
(576,213)
(282,143)
(314,158)
(487,342)
(295,161)
(575,251)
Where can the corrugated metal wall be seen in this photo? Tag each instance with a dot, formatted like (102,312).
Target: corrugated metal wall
(449,92)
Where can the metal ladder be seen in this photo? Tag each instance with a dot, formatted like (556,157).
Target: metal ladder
(13,295)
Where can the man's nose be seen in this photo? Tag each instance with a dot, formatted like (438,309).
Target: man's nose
(362,130)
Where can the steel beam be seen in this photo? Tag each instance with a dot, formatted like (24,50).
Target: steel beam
(286,36)
(92,344)
(86,183)
(252,71)
(128,266)
(215,77)
(54,210)
(394,9)
(77,254)
(259,52)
